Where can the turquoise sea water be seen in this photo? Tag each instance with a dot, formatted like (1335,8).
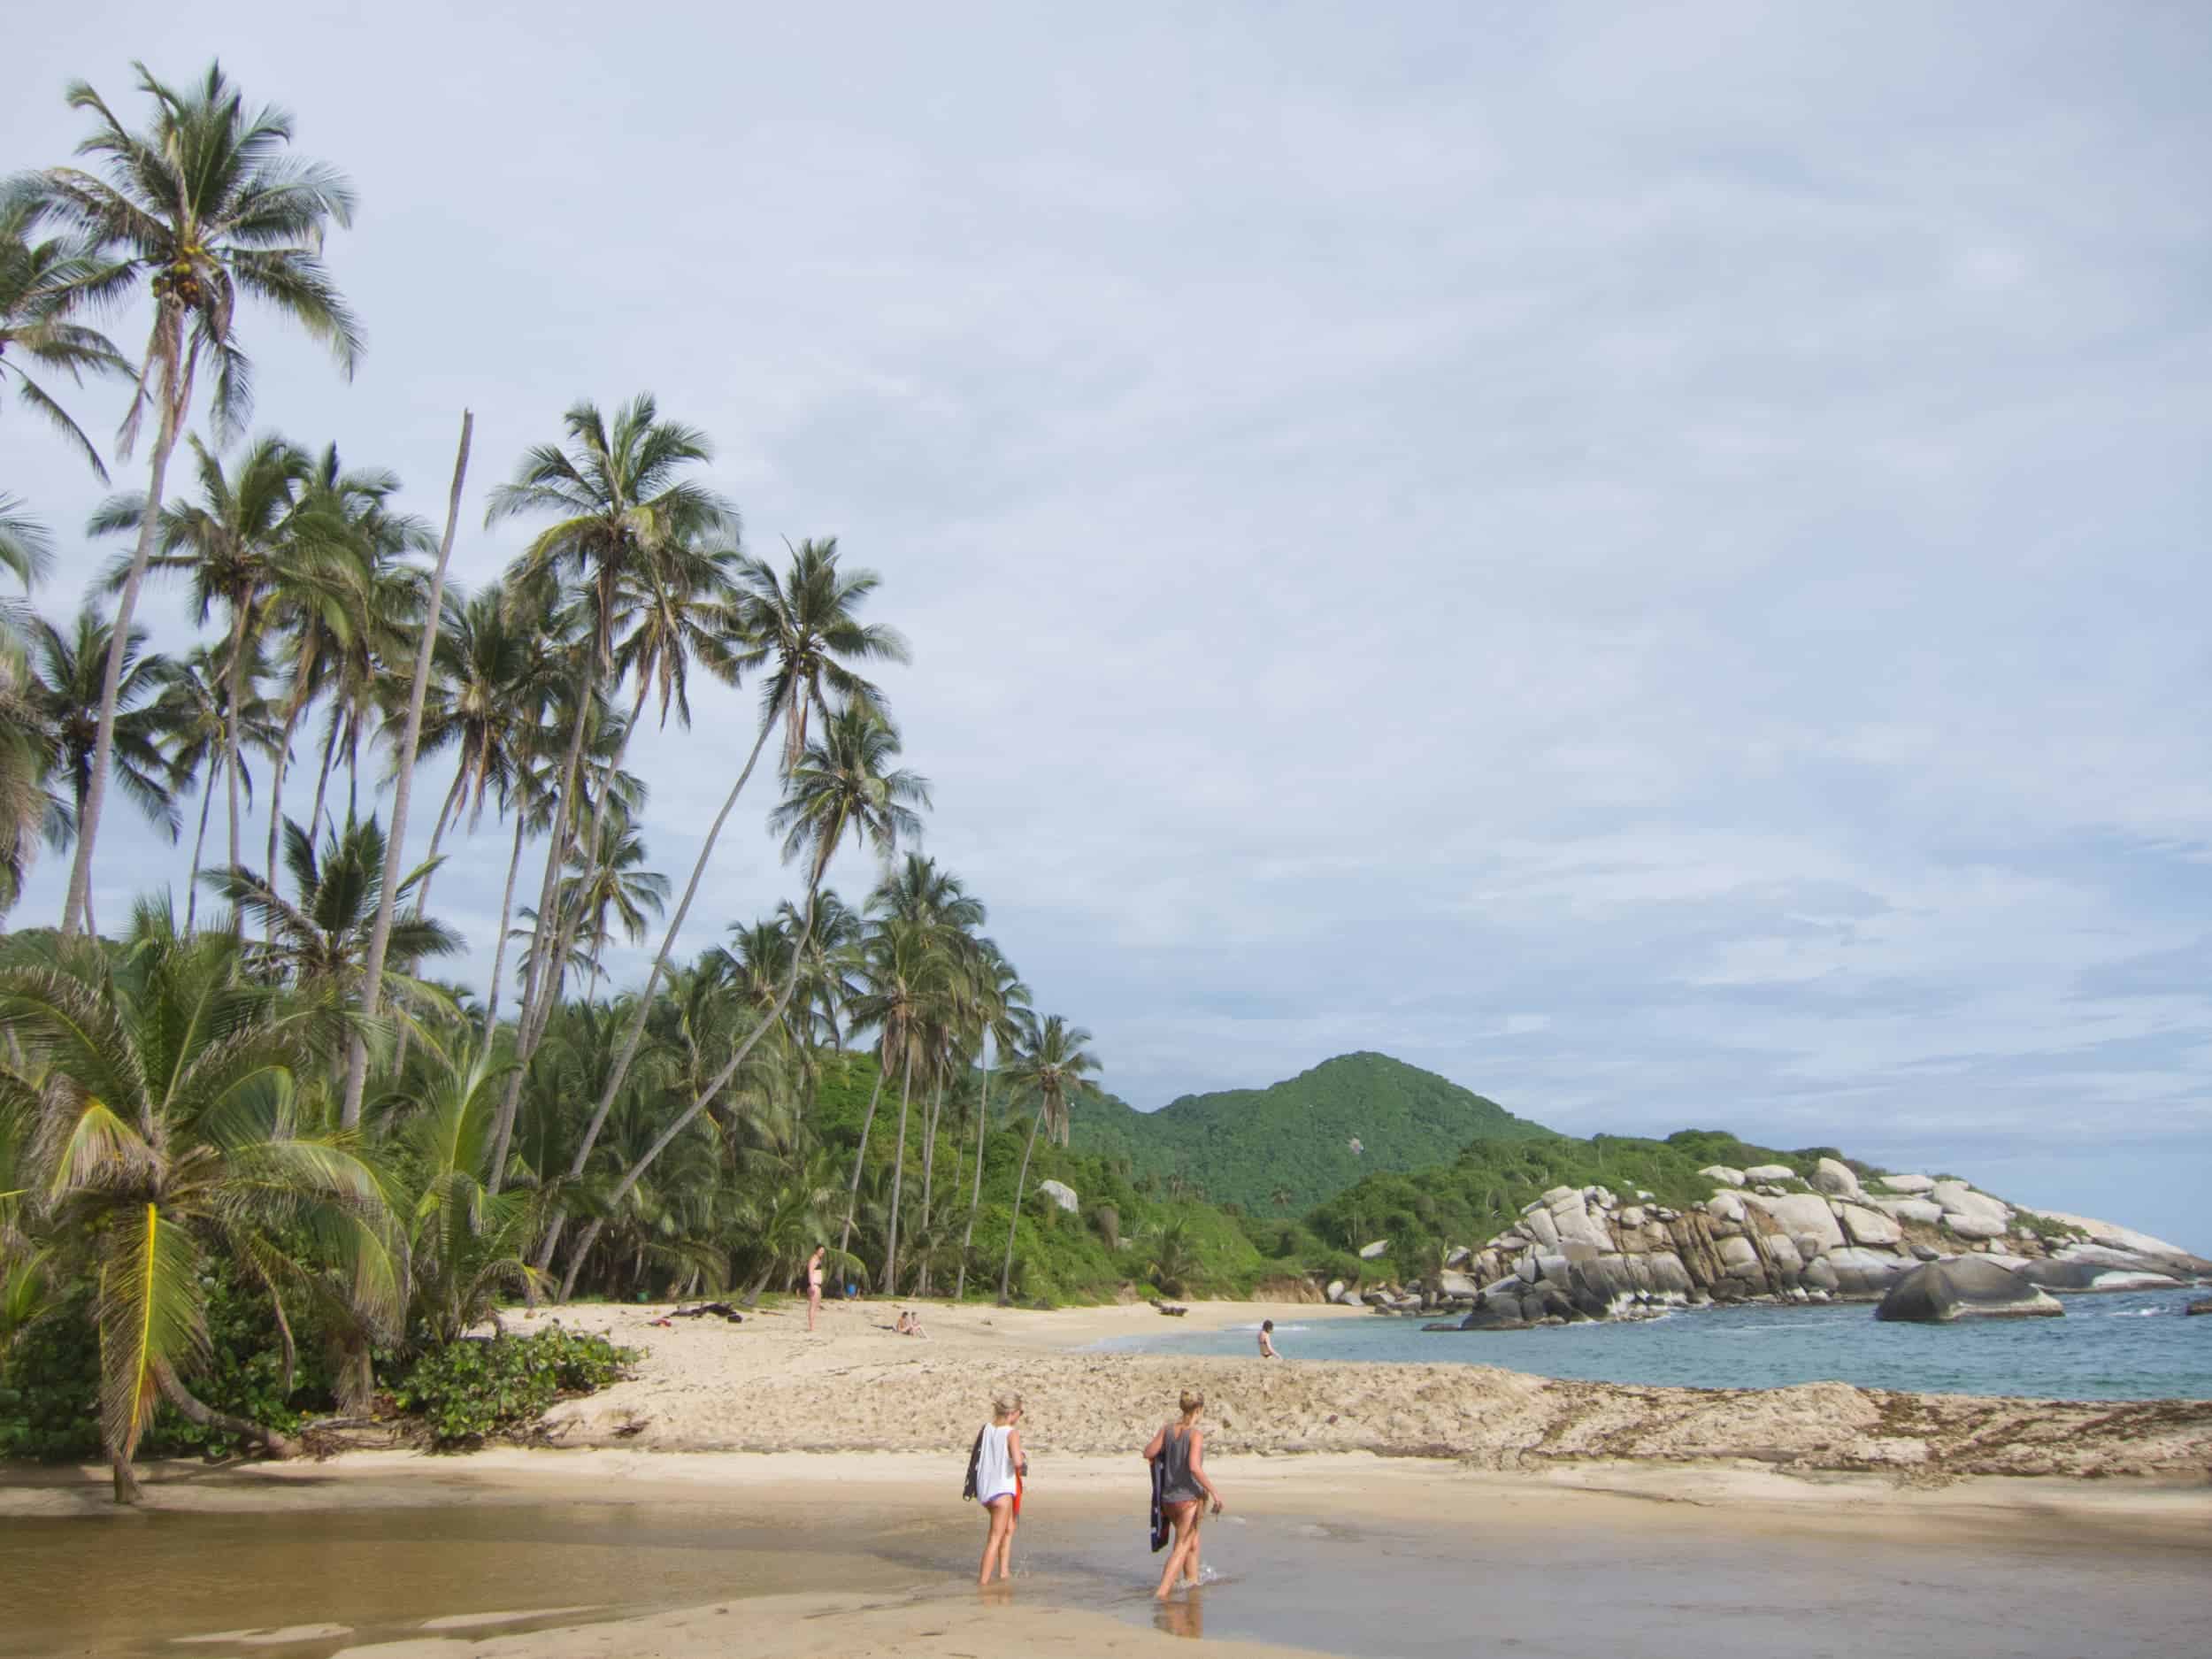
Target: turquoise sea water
(2127,1347)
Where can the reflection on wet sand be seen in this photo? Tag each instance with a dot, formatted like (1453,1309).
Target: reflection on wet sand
(1182,1615)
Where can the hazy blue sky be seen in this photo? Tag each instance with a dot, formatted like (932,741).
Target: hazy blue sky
(1648,558)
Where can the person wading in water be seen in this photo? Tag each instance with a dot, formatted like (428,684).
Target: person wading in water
(1180,1450)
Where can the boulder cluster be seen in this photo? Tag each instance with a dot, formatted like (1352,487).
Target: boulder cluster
(1766,1234)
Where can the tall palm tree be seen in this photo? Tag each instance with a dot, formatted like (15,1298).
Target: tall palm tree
(1055,1067)
(206,205)
(43,284)
(367,605)
(620,501)
(248,537)
(609,888)
(69,672)
(803,632)
(847,784)
(999,1004)
(165,1133)
(903,979)
(194,710)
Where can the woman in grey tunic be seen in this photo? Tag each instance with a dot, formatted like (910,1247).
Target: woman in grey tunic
(1180,1450)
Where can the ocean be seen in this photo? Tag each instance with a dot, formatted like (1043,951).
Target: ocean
(2117,1347)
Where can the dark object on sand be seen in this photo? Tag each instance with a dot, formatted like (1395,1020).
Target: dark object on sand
(1967,1287)
(2203,1304)
(706,1307)
(1173,1310)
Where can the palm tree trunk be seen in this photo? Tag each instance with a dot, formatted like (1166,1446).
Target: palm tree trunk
(975,1197)
(207,1417)
(126,1490)
(636,1028)
(506,920)
(929,1158)
(1006,1272)
(199,844)
(898,1173)
(422,896)
(394,844)
(534,965)
(277,768)
(235,675)
(720,1080)
(322,777)
(173,397)
(860,1157)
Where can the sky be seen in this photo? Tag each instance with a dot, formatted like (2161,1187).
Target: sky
(1648,559)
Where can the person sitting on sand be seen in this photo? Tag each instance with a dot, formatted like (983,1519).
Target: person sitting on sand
(910,1325)
(1267,1339)
(997,1471)
(814,1284)
(1180,1447)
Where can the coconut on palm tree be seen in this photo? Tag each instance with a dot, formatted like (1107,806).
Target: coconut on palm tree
(205,207)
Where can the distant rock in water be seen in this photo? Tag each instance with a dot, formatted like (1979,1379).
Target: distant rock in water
(2203,1304)
(1969,1287)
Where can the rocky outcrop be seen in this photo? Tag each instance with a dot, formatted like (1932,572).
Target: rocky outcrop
(1971,1287)
(1588,1253)
(1061,1194)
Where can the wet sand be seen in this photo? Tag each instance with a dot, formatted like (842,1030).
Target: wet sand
(562,1554)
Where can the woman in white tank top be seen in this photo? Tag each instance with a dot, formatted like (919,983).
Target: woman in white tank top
(999,1467)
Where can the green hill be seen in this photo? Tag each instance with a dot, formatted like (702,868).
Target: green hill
(1286,1147)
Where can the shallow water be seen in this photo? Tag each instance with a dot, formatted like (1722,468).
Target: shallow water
(2118,1346)
(127,1585)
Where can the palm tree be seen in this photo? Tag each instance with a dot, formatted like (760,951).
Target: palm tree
(42,284)
(998,1003)
(803,632)
(905,985)
(194,710)
(26,547)
(248,537)
(206,207)
(64,688)
(164,1130)
(620,504)
(610,890)
(322,935)
(1054,1065)
(846,784)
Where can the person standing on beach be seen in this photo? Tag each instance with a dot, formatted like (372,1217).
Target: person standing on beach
(995,1469)
(814,1284)
(1180,1450)
(1267,1339)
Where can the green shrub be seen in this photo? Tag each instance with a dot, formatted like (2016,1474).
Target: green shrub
(477,1387)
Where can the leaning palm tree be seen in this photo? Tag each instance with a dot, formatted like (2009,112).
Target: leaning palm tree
(803,632)
(847,784)
(1054,1066)
(43,284)
(166,1131)
(205,206)
(65,688)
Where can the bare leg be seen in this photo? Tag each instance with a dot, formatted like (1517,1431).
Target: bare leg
(1184,1517)
(1006,1544)
(1191,1547)
(813,1306)
(1000,1511)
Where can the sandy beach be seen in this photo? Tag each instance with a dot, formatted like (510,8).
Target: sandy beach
(767,1385)
(692,1511)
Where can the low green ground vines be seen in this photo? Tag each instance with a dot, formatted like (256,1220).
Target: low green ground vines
(470,1390)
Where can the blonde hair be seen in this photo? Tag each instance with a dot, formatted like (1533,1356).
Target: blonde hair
(1192,1401)
(1006,1405)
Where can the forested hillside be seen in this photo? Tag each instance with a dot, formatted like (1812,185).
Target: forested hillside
(1285,1149)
